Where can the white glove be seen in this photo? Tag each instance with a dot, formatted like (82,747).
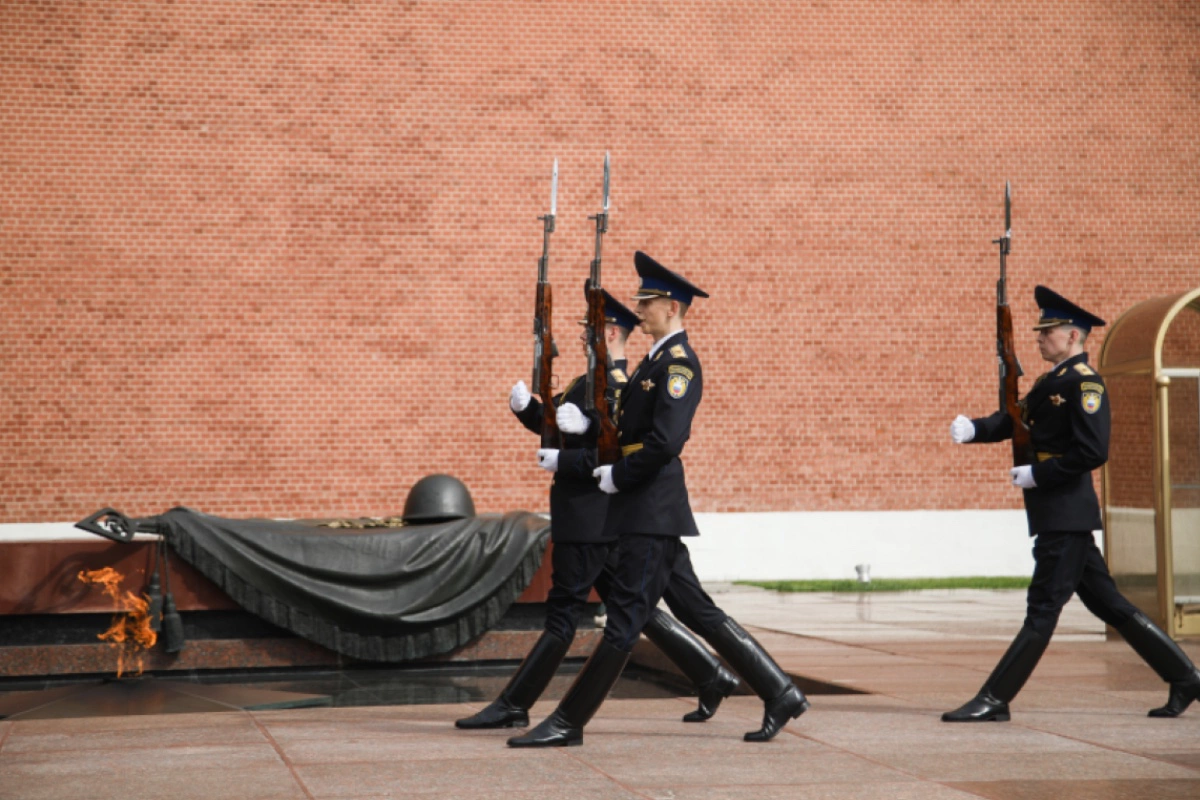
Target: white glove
(518,398)
(571,420)
(604,475)
(1023,477)
(548,460)
(962,430)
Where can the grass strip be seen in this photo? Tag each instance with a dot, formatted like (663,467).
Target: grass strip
(892,584)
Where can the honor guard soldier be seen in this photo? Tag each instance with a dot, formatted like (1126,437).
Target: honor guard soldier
(1068,415)
(584,553)
(650,512)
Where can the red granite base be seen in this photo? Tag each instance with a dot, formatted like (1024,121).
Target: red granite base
(101,658)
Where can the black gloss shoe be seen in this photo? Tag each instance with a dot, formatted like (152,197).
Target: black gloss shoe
(712,694)
(1180,697)
(789,705)
(982,708)
(498,714)
(553,731)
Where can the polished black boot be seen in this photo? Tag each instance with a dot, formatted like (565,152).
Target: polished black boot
(782,700)
(1006,680)
(713,682)
(511,708)
(564,728)
(1164,657)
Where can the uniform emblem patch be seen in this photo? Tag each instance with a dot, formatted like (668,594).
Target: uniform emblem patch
(1091,402)
(1088,386)
(647,385)
(677,386)
(677,351)
(1057,399)
(680,369)
(1084,369)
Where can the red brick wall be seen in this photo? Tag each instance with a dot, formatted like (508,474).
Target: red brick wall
(278,258)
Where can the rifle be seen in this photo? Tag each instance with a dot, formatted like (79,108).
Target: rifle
(1010,367)
(544,350)
(596,395)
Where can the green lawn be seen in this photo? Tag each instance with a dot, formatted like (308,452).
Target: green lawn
(893,584)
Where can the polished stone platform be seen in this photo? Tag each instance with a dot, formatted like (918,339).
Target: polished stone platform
(1079,728)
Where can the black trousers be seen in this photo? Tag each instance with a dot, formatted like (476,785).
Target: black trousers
(1070,563)
(649,569)
(576,568)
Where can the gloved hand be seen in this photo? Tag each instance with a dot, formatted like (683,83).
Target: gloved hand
(548,460)
(571,419)
(1023,477)
(962,430)
(518,398)
(604,475)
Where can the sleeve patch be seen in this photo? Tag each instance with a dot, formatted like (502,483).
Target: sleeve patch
(677,351)
(1089,386)
(1091,402)
(1084,369)
(677,386)
(679,369)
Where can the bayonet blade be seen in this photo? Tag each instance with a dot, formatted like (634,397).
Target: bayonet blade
(1007,210)
(554,189)
(606,182)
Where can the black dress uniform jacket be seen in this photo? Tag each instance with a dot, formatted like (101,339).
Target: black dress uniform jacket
(577,506)
(1069,423)
(654,421)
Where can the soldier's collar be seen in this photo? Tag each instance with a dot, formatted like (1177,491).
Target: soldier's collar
(654,348)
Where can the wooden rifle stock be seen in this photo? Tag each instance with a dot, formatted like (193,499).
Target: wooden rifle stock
(608,451)
(543,379)
(1006,352)
(544,350)
(1010,373)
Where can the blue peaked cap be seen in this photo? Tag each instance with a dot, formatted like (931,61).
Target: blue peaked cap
(614,311)
(658,281)
(1054,309)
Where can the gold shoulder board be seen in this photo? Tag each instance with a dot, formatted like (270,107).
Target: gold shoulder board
(1084,369)
(677,351)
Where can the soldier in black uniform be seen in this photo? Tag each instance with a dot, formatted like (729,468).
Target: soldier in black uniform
(1069,421)
(585,554)
(649,509)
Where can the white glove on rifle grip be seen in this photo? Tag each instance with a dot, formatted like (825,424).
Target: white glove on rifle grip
(604,475)
(1023,477)
(548,460)
(519,397)
(962,430)
(571,419)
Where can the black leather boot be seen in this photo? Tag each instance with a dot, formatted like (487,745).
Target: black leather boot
(713,682)
(1006,680)
(564,728)
(511,708)
(1164,657)
(782,700)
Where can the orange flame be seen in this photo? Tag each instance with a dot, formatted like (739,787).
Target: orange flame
(130,631)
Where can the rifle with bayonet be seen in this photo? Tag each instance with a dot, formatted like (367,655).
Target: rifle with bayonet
(544,350)
(1010,367)
(596,396)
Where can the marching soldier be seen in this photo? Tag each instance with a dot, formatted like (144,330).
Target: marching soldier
(584,552)
(1069,420)
(649,510)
